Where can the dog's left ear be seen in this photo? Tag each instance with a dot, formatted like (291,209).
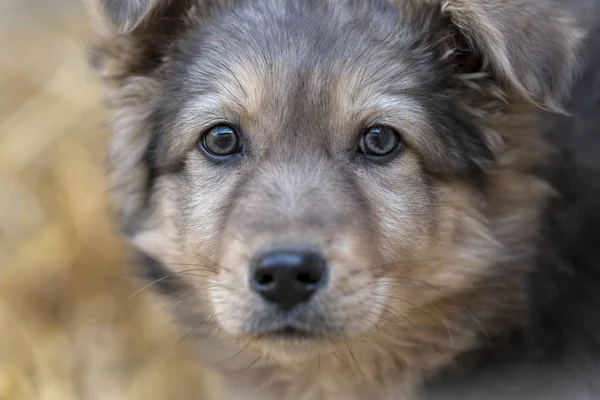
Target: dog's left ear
(530,46)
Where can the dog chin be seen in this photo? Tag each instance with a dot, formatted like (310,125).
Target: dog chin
(290,347)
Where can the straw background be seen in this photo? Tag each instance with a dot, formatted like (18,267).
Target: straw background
(69,328)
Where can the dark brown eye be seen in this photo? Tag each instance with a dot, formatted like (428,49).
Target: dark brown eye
(221,140)
(379,141)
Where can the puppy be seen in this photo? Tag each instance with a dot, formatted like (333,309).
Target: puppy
(344,198)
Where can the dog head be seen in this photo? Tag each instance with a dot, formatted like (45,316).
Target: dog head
(323,172)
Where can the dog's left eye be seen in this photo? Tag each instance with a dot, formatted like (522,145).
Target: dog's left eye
(220,140)
(379,141)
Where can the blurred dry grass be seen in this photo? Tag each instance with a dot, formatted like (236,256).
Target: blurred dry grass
(52,141)
(68,329)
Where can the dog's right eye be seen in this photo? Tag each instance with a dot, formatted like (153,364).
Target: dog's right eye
(220,141)
(379,141)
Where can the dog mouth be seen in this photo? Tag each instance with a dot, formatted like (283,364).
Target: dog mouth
(290,332)
(291,343)
(291,335)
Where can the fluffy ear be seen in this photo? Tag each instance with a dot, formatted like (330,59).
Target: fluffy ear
(530,46)
(134,35)
(131,56)
(123,16)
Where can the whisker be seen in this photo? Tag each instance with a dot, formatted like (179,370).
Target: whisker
(372,267)
(320,384)
(421,282)
(205,267)
(253,362)
(439,313)
(481,328)
(140,290)
(233,356)
(195,328)
(446,325)
(420,308)
(200,344)
(214,285)
(340,360)
(355,361)
(390,309)
(177,300)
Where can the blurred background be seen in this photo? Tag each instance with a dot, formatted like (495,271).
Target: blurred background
(52,135)
(70,327)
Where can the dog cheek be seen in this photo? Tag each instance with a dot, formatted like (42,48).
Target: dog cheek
(201,214)
(462,245)
(228,312)
(403,209)
(157,236)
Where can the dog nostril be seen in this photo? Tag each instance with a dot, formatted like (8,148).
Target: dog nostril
(264,279)
(288,277)
(307,278)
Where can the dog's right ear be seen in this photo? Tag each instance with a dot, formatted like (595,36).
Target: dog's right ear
(134,36)
(130,57)
(117,17)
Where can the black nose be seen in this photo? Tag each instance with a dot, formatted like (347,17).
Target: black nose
(289,276)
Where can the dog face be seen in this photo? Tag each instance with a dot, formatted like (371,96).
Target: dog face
(326,172)
(317,142)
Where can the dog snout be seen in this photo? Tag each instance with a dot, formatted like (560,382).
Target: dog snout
(288,277)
